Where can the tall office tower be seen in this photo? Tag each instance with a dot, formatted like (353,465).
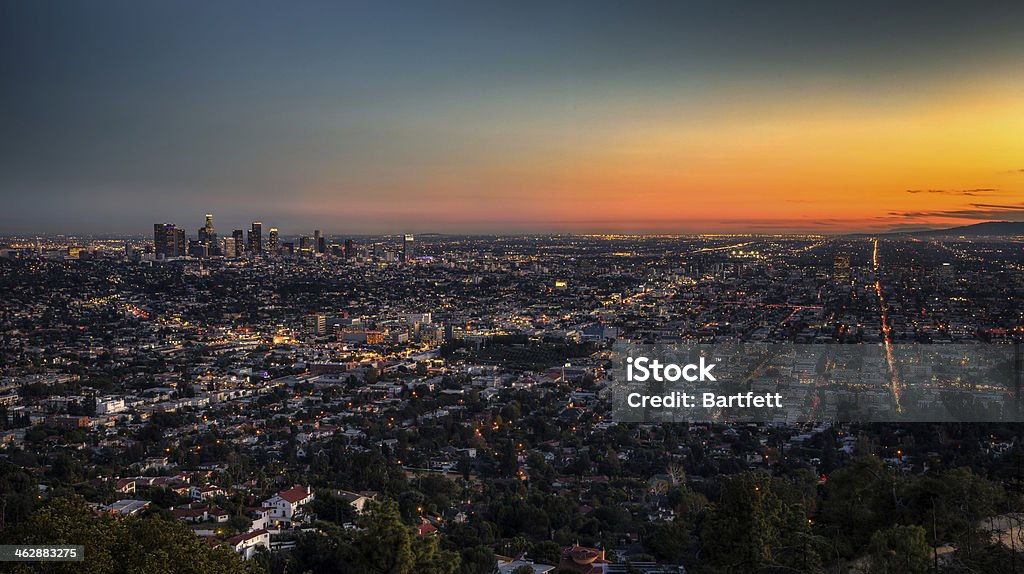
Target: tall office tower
(316,240)
(305,246)
(350,249)
(315,324)
(198,249)
(408,247)
(160,239)
(256,238)
(208,238)
(239,238)
(273,243)
(168,240)
(180,243)
(207,234)
(321,245)
(841,268)
(947,272)
(228,247)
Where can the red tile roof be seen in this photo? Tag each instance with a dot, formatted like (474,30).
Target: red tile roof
(294,494)
(237,539)
(426,528)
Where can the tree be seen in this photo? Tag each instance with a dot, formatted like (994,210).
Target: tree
(741,530)
(385,545)
(859,500)
(546,552)
(670,541)
(677,472)
(121,545)
(430,559)
(17,494)
(899,550)
(477,560)
(333,508)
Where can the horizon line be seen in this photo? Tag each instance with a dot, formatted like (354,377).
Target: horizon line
(593,233)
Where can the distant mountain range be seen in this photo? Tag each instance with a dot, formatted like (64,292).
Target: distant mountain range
(988,228)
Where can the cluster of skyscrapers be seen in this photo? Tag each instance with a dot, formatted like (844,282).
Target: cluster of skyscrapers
(170,241)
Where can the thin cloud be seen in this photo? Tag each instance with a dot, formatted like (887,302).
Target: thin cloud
(969,192)
(997,206)
(976,211)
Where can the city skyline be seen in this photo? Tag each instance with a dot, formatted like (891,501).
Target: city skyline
(457,118)
(236,225)
(283,409)
(462,287)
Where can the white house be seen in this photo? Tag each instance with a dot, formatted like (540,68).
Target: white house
(109,405)
(247,543)
(285,505)
(206,492)
(260,519)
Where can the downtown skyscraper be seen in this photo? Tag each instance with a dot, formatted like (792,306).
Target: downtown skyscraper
(207,234)
(239,242)
(274,242)
(256,238)
(408,247)
(168,241)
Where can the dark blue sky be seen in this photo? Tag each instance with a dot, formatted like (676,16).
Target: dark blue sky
(424,116)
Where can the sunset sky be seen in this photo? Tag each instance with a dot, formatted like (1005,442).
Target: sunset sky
(478,117)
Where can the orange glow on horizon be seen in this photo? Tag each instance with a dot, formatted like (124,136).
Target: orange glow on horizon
(816,164)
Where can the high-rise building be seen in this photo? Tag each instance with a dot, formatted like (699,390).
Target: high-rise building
(316,240)
(350,249)
(228,247)
(321,245)
(273,242)
(161,231)
(180,242)
(305,246)
(256,238)
(198,249)
(208,238)
(168,241)
(408,247)
(239,238)
(841,268)
(315,324)
(207,234)
(947,272)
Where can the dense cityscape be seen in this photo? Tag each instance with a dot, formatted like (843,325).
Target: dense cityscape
(262,402)
(661,287)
